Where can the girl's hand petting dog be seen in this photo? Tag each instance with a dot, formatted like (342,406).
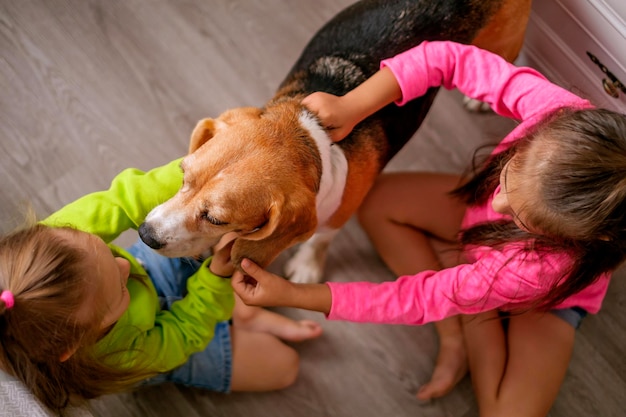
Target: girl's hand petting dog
(334,112)
(262,288)
(339,114)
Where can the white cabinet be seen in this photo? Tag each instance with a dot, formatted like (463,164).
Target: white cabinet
(564,35)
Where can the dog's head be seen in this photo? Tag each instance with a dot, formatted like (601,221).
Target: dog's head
(244,176)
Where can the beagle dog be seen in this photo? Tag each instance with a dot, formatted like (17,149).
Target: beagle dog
(270,177)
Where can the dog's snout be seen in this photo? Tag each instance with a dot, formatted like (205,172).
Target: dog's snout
(146,233)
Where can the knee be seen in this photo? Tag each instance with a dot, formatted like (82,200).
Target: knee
(289,369)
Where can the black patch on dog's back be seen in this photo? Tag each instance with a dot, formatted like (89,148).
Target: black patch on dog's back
(348,50)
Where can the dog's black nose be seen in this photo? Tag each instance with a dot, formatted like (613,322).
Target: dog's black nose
(146,233)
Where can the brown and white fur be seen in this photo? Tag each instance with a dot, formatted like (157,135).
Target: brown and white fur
(504,35)
(270,177)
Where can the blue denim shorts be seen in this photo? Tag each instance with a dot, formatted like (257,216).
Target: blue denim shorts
(573,315)
(209,369)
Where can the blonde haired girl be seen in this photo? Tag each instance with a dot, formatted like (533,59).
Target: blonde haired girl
(81,317)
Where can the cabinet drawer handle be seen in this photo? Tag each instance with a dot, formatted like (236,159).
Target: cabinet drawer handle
(611,84)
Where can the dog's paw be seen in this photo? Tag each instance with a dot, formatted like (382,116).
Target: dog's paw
(475,106)
(303,269)
(306,266)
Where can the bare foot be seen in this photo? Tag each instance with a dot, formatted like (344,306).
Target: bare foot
(258,319)
(299,330)
(450,368)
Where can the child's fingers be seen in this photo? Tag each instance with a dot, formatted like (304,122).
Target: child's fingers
(323,105)
(242,282)
(225,250)
(243,287)
(250,290)
(253,270)
(238,283)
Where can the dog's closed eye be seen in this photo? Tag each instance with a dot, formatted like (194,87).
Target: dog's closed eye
(213,220)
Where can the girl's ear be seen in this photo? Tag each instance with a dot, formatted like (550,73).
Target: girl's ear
(68,354)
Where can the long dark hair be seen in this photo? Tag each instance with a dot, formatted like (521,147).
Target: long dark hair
(579,172)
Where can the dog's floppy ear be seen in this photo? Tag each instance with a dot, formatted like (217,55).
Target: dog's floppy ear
(204,130)
(207,128)
(289,222)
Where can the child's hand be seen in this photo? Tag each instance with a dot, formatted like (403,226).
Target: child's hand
(334,112)
(221,264)
(260,287)
(340,114)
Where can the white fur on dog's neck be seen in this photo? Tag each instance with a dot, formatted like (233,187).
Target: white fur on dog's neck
(334,170)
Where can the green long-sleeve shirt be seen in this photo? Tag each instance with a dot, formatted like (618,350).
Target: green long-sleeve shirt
(163,340)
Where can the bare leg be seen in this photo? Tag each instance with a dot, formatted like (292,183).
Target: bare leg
(520,372)
(409,217)
(261,362)
(257,319)
(451,365)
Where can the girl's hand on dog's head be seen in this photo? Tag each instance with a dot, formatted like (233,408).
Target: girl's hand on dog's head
(335,115)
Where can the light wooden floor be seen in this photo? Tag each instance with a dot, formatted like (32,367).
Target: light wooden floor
(91,87)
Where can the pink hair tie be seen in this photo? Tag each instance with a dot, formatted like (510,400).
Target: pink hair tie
(7,297)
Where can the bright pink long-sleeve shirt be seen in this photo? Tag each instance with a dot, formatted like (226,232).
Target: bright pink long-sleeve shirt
(492,278)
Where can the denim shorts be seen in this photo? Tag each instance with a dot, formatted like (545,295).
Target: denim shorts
(572,315)
(209,369)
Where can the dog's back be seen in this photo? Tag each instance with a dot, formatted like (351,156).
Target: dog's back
(348,50)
